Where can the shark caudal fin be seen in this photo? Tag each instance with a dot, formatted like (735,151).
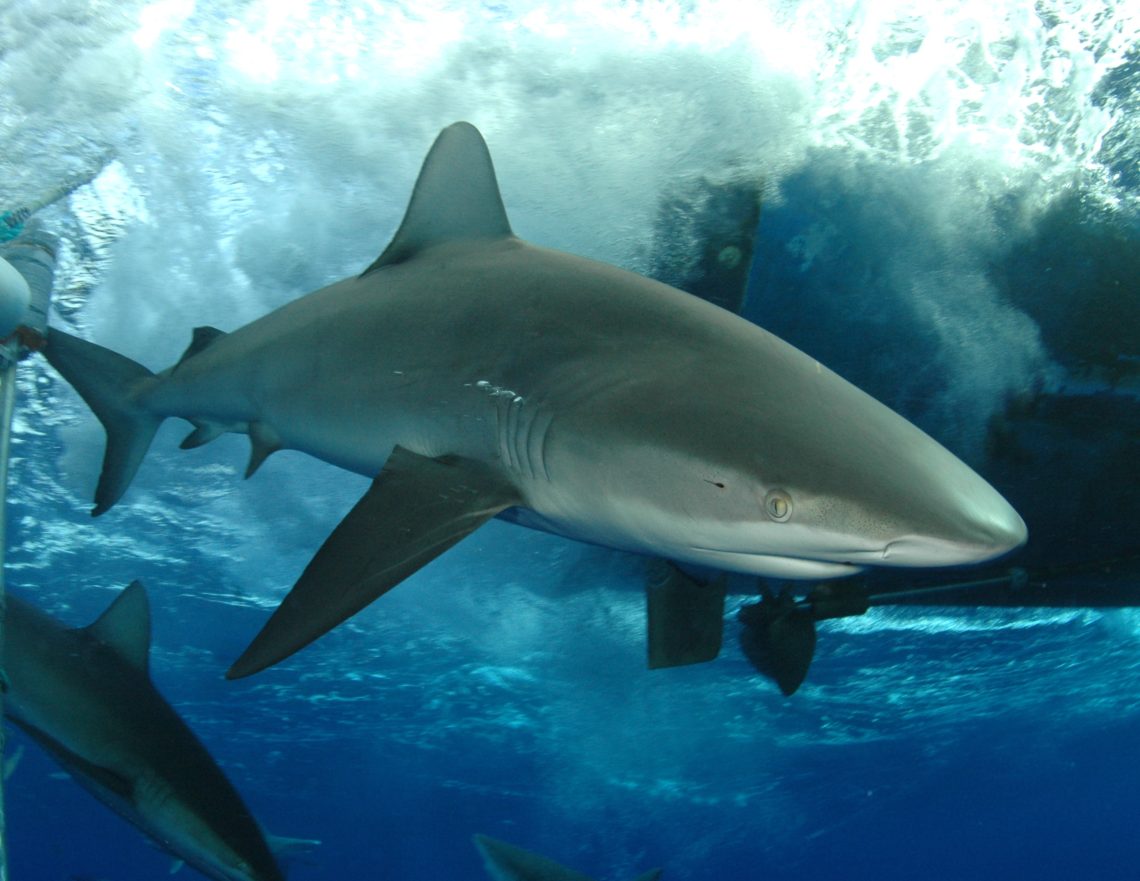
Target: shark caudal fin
(107,382)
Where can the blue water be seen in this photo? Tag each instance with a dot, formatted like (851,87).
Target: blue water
(950,220)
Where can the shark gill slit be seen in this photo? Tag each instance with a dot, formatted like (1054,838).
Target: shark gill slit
(513,405)
(503,434)
(523,439)
(521,435)
(538,426)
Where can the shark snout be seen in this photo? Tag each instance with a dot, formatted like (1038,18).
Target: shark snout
(1003,527)
(981,530)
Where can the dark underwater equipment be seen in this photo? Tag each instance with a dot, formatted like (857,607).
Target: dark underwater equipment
(778,633)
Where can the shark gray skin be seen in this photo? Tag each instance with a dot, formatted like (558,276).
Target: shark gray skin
(85,696)
(473,375)
(505,862)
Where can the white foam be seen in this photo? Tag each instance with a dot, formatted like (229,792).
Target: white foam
(265,148)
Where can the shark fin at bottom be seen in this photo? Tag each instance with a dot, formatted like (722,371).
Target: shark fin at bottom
(416,509)
(263,442)
(506,862)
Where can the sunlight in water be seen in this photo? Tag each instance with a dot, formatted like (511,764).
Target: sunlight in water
(897,78)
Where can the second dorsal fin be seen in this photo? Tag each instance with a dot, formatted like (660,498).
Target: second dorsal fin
(202,338)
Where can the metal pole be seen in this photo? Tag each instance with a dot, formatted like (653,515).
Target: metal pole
(32,255)
(9,352)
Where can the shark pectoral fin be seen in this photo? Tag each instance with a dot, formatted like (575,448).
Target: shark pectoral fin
(107,381)
(415,510)
(685,617)
(456,197)
(651,875)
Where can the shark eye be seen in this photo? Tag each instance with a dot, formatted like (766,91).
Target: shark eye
(778,504)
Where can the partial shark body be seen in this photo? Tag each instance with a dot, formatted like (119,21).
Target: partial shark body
(475,375)
(85,696)
(505,862)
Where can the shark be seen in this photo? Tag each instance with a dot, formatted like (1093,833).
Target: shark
(472,375)
(506,862)
(85,696)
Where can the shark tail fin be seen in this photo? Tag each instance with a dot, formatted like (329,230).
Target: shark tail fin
(108,382)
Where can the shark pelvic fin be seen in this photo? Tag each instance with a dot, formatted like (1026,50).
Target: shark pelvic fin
(203,433)
(201,339)
(263,442)
(125,626)
(415,510)
(107,382)
(456,197)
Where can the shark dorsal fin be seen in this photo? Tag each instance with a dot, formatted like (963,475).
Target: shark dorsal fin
(125,625)
(456,197)
(651,875)
(506,862)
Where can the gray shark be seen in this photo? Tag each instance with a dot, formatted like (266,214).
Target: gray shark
(505,862)
(85,695)
(474,375)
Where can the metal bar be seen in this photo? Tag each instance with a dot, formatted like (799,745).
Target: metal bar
(9,352)
(32,255)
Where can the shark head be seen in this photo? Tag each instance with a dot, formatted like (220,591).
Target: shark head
(765,462)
